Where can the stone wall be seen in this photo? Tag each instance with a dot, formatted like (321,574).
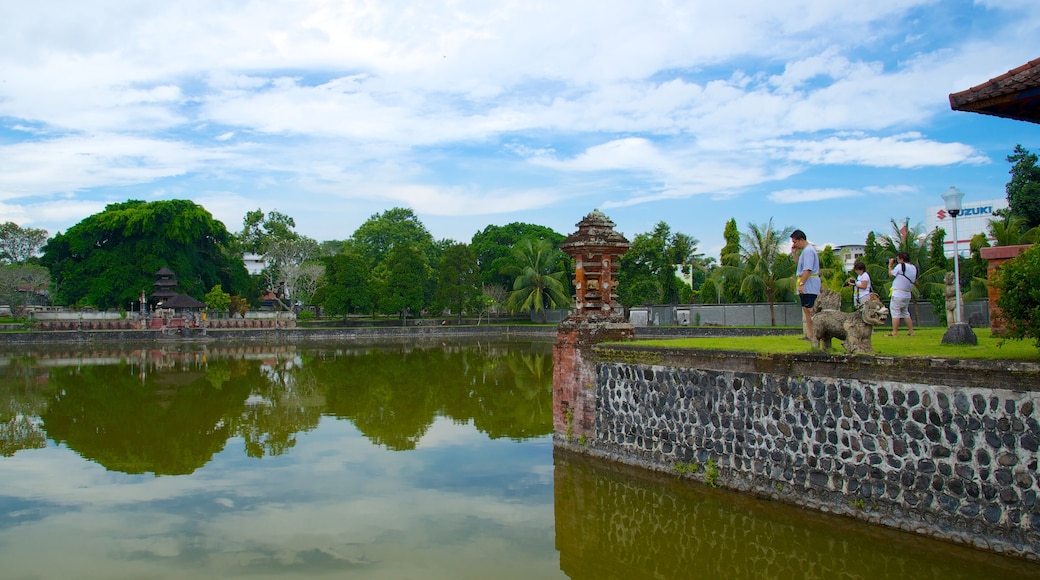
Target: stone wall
(953,456)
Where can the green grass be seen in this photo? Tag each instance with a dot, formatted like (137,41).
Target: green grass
(926,342)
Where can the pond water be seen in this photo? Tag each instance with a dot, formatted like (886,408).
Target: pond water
(372,461)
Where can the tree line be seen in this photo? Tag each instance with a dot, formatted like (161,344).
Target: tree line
(392,265)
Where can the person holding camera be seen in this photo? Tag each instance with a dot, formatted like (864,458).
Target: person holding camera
(904,274)
(861,288)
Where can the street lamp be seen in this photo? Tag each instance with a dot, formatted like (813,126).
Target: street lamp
(958,332)
(953,197)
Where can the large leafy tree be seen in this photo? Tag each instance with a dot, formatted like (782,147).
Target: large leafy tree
(1023,191)
(346,288)
(375,239)
(109,258)
(260,231)
(493,247)
(647,273)
(458,280)
(407,273)
(540,282)
(19,245)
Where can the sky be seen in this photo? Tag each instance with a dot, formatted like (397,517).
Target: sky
(832,117)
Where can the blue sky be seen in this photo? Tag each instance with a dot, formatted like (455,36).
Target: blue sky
(828,116)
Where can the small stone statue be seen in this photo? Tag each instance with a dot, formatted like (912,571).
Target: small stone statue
(951,300)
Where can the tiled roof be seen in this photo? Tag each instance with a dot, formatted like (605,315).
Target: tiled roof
(1013,95)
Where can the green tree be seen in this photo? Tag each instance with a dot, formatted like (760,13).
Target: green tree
(1010,230)
(977,268)
(539,282)
(258,231)
(458,280)
(872,253)
(375,239)
(769,270)
(832,270)
(493,247)
(107,259)
(406,276)
(1019,300)
(19,245)
(1023,191)
(729,257)
(346,288)
(217,299)
(647,272)
(937,250)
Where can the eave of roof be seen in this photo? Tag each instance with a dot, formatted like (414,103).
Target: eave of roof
(1013,95)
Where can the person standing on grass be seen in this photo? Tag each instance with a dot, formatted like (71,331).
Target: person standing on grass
(904,274)
(861,288)
(808,277)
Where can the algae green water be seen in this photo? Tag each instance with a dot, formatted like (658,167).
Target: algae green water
(423,460)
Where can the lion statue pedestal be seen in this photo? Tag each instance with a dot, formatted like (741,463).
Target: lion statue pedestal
(854,328)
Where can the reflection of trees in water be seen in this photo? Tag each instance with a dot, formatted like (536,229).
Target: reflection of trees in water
(284,402)
(169,422)
(23,396)
(168,412)
(393,394)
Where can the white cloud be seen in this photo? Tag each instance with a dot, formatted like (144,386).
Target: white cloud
(806,195)
(337,104)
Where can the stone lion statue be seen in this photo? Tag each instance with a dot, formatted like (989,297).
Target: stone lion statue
(853,328)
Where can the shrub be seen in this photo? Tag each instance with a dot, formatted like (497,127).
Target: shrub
(1019,300)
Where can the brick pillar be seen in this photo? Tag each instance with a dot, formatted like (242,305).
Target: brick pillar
(574,374)
(996,256)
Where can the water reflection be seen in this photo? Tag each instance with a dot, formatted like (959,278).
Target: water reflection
(627,523)
(374,461)
(168,412)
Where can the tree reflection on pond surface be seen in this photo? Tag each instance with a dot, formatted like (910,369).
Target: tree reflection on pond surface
(374,461)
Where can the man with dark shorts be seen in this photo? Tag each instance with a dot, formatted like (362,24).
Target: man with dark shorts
(808,276)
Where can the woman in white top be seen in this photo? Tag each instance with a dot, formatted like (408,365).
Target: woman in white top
(860,285)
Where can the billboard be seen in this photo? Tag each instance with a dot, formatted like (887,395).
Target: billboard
(973,219)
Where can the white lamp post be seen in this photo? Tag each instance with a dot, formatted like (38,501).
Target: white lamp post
(953,197)
(958,332)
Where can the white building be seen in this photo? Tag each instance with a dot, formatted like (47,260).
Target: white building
(255,263)
(973,219)
(849,254)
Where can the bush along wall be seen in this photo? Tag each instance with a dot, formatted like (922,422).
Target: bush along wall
(957,463)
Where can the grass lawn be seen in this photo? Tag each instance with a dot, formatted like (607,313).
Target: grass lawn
(926,342)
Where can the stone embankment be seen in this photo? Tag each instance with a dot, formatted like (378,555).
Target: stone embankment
(943,448)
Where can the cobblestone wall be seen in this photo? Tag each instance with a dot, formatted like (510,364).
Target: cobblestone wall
(958,463)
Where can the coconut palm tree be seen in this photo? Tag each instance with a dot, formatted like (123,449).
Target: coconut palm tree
(1011,231)
(539,282)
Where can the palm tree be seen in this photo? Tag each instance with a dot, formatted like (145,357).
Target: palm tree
(537,285)
(1011,231)
(768,270)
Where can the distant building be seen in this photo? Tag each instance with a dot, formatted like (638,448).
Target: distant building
(849,254)
(973,219)
(255,263)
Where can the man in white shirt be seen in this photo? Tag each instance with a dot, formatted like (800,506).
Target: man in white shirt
(904,274)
